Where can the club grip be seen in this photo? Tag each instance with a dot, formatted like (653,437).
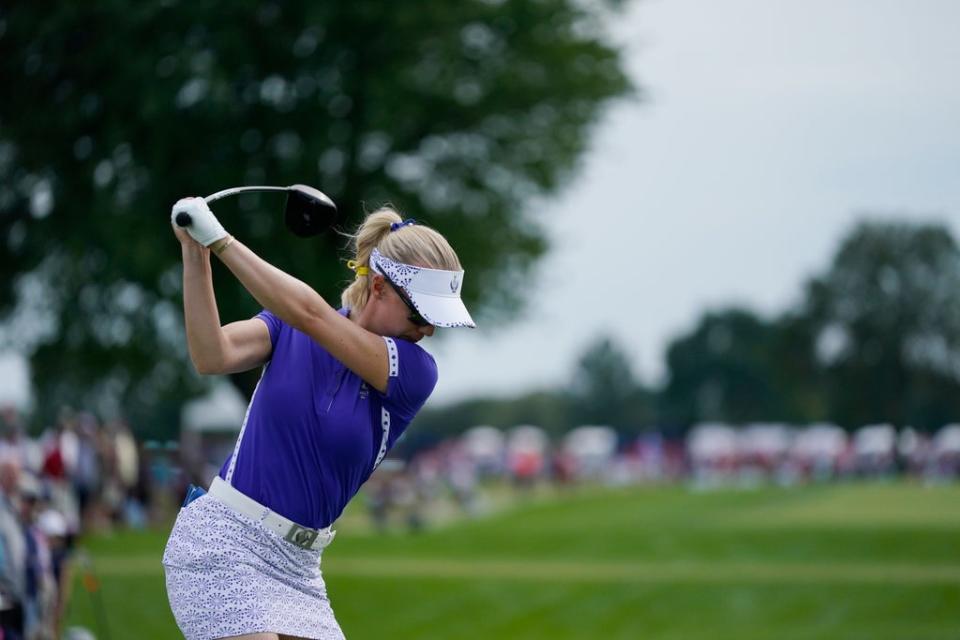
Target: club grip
(183,219)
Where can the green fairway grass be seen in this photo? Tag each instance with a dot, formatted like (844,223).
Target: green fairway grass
(859,561)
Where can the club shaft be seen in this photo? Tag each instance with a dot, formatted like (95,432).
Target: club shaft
(183,218)
(213,197)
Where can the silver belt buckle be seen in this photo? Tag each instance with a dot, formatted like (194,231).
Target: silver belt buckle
(301,536)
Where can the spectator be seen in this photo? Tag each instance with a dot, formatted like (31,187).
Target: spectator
(13,552)
(86,473)
(53,526)
(40,586)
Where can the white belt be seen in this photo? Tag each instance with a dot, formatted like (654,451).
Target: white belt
(283,527)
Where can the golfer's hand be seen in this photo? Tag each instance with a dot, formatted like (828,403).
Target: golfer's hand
(184,238)
(204,226)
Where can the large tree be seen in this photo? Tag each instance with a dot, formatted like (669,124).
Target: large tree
(875,339)
(728,369)
(885,322)
(605,391)
(457,113)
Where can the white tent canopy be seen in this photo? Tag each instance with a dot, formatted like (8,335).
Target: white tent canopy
(947,440)
(527,439)
(709,441)
(875,440)
(762,439)
(591,442)
(223,409)
(820,442)
(484,442)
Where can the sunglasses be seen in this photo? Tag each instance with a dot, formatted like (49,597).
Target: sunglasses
(414,315)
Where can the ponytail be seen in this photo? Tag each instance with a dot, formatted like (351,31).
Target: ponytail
(374,228)
(405,242)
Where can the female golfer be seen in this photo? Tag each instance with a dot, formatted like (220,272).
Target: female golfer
(337,390)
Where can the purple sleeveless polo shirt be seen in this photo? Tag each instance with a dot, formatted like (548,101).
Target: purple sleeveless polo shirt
(314,431)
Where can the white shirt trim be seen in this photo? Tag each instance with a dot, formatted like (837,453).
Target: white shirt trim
(243,428)
(393,361)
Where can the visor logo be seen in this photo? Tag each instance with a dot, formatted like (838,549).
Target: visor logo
(455,283)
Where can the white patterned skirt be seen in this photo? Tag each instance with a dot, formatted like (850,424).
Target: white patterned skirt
(228,575)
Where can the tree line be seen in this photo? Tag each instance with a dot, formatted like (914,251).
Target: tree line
(461,115)
(875,338)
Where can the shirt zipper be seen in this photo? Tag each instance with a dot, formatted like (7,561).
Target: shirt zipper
(333,395)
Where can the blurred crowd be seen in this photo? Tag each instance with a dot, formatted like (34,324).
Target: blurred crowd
(707,456)
(78,475)
(721,454)
(81,474)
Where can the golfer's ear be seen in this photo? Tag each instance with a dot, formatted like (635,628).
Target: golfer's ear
(377,285)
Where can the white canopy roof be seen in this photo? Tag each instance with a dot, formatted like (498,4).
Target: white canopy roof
(223,409)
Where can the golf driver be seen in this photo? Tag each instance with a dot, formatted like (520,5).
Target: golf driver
(307,211)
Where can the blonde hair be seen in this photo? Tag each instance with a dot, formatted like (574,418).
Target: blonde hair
(411,244)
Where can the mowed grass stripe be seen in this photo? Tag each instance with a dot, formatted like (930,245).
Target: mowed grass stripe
(645,572)
(577,571)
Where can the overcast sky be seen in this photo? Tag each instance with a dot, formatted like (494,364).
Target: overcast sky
(768,128)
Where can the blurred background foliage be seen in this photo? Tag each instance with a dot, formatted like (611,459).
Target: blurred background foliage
(874,338)
(459,114)
(462,115)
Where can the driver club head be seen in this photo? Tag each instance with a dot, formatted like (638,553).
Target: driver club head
(308,211)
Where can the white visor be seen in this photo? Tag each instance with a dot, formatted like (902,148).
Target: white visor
(435,293)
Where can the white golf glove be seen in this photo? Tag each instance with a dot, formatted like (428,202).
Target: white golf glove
(204,226)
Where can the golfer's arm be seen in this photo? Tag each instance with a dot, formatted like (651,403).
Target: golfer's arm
(239,346)
(302,308)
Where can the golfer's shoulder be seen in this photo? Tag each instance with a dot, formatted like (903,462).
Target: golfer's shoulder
(274,324)
(413,377)
(409,359)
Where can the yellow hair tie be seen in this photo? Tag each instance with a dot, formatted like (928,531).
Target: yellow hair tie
(354,266)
